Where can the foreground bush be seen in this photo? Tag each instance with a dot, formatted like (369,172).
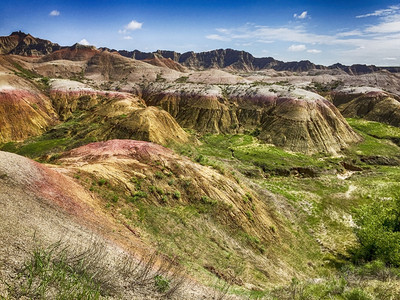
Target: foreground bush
(378,232)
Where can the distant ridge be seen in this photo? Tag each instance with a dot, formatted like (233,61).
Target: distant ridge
(244,61)
(20,43)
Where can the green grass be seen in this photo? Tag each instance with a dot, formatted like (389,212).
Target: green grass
(24,72)
(250,151)
(376,129)
(35,148)
(62,137)
(377,137)
(54,272)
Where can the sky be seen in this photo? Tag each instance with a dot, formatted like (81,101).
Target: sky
(324,32)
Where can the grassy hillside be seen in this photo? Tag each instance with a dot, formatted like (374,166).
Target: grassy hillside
(312,204)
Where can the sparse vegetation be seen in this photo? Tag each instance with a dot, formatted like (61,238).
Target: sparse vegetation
(182,79)
(62,272)
(56,272)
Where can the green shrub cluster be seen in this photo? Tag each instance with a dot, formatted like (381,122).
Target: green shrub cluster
(378,232)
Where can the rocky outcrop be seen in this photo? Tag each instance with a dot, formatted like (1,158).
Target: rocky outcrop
(374,106)
(160,61)
(76,52)
(296,120)
(25,111)
(149,124)
(117,115)
(224,58)
(307,126)
(24,44)
(23,114)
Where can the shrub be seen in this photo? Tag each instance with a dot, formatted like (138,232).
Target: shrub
(102,182)
(159,175)
(114,198)
(378,232)
(208,201)
(136,196)
(356,294)
(249,215)
(161,283)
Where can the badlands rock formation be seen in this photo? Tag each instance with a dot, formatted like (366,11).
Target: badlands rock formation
(25,111)
(369,103)
(296,120)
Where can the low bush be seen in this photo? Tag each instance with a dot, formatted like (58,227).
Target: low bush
(378,232)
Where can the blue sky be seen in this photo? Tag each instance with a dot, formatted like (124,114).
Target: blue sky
(323,32)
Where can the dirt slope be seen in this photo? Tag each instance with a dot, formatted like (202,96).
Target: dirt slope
(25,110)
(41,206)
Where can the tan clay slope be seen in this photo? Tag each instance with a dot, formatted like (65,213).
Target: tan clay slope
(119,160)
(134,167)
(166,63)
(294,119)
(117,114)
(106,66)
(42,206)
(24,110)
(42,201)
(35,186)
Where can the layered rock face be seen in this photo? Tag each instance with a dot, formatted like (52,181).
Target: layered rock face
(244,61)
(372,105)
(307,127)
(25,111)
(24,114)
(76,52)
(296,120)
(24,44)
(117,115)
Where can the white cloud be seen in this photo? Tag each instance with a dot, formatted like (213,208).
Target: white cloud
(222,30)
(54,13)
(297,48)
(384,27)
(131,26)
(382,12)
(303,15)
(349,33)
(390,58)
(363,44)
(314,51)
(265,41)
(217,37)
(84,42)
(127,37)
